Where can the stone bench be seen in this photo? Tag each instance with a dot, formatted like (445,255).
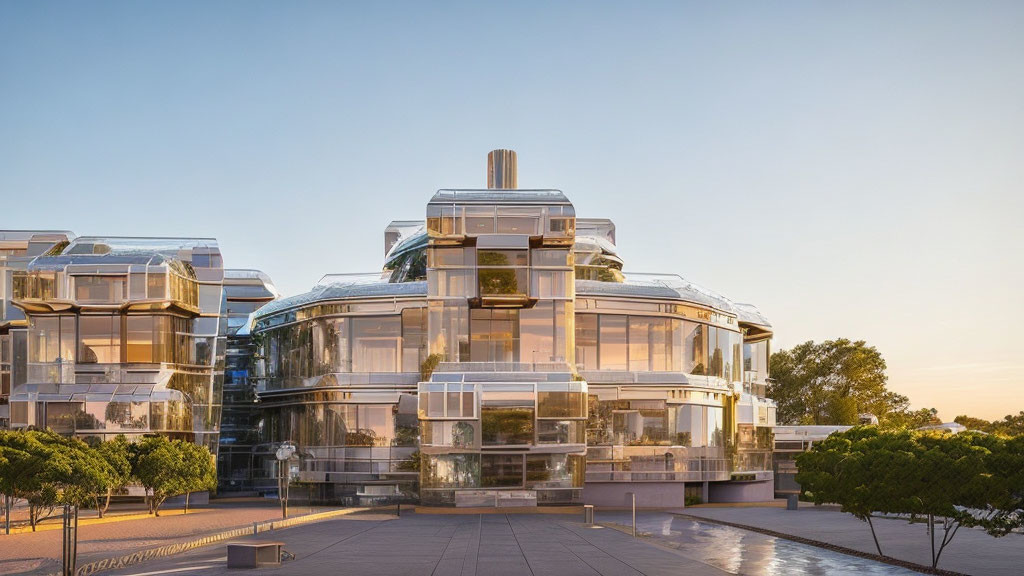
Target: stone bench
(253,554)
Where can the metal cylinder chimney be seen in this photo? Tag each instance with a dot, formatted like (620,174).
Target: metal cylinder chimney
(501,169)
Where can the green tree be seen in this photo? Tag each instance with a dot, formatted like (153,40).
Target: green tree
(961,480)
(47,469)
(116,454)
(832,382)
(1010,425)
(168,468)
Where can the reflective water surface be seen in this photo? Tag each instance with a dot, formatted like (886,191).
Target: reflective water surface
(744,552)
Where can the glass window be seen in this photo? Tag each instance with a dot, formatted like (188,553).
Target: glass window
(551,257)
(503,281)
(640,337)
(139,339)
(561,404)
(451,470)
(561,431)
(536,333)
(137,285)
(479,219)
(613,342)
(586,341)
(550,471)
(440,257)
(494,335)
(518,220)
(100,289)
(695,343)
(44,338)
(99,339)
(62,416)
(550,283)
(209,297)
(376,343)
(414,338)
(156,285)
(501,470)
(506,423)
(715,431)
(501,257)
(450,283)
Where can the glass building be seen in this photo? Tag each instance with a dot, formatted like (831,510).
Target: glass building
(503,357)
(111,336)
(245,291)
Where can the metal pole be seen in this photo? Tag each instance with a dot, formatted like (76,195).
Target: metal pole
(64,543)
(280,488)
(69,540)
(74,541)
(287,484)
(7,517)
(632,496)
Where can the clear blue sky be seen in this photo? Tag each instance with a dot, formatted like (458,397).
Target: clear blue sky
(855,169)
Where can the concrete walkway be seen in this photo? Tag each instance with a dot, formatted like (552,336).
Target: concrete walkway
(41,551)
(435,545)
(971,551)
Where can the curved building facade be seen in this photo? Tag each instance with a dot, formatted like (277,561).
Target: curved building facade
(503,357)
(124,336)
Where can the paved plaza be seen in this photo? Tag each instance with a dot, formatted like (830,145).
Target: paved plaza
(520,544)
(41,551)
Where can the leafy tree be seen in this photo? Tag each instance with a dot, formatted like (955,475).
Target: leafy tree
(47,469)
(1011,425)
(170,467)
(915,419)
(962,480)
(116,454)
(831,383)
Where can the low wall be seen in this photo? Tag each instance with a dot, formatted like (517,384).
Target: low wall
(648,494)
(762,491)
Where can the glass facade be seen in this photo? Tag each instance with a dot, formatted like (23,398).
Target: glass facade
(121,336)
(500,352)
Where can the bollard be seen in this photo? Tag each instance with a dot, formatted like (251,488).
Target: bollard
(255,528)
(792,501)
(588,514)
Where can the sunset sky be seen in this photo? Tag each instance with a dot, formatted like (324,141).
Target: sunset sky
(854,169)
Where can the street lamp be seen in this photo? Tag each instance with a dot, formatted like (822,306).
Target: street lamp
(284,453)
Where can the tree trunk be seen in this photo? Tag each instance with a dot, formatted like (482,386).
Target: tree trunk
(32,511)
(931,531)
(187,494)
(99,509)
(106,505)
(875,536)
(158,502)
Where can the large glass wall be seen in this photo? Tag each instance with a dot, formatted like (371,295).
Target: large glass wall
(656,344)
(358,344)
(699,422)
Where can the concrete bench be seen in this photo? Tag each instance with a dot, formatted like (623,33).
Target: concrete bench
(253,554)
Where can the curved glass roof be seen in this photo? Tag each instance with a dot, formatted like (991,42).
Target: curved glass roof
(335,287)
(749,314)
(669,286)
(63,260)
(500,196)
(142,245)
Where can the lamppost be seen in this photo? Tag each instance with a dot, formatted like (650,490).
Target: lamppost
(284,453)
